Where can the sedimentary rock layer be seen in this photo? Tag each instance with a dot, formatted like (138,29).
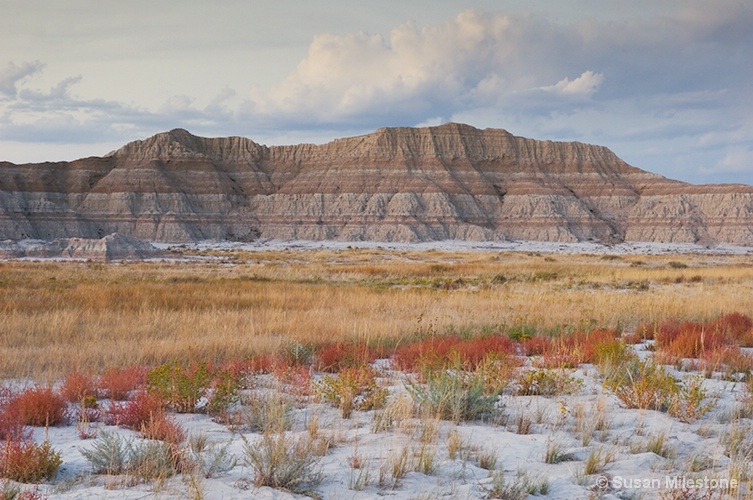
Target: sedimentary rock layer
(396,184)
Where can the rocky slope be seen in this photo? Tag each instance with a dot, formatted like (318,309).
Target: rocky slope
(396,184)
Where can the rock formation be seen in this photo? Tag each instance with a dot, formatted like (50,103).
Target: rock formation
(396,184)
(111,247)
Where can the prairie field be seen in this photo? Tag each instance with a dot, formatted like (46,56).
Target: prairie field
(219,306)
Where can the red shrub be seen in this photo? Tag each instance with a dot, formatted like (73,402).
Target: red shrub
(11,425)
(39,406)
(536,346)
(571,351)
(296,379)
(439,352)
(736,325)
(136,413)
(334,357)
(77,387)
(28,462)
(163,428)
(646,331)
(116,383)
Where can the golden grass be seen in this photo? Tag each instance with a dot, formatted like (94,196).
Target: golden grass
(59,317)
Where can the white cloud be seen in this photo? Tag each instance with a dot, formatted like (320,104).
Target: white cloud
(737,160)
(585,85)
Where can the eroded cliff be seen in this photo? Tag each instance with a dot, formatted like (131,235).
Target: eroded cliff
(396,184)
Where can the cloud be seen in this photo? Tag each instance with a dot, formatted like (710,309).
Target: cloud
(737,160)
(418,72)
(12,75)
(585,85)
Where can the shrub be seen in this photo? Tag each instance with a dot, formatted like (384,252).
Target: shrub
(162,428)
(77,387)
(452,395)
(334,357)
(213,460)
(136,413)
(224,393)
(39,406)
(279,461)
(544,382)
(438,353)
(113,454)
(570,351)
(110,453)
(11,425)
(352,388)
(153,460)
(266,412)
(643,385)
(28,462)
(117,383)
(181,388)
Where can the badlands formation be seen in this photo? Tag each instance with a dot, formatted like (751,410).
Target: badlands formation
(451,182)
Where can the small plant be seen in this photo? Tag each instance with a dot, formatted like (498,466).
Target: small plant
(546,382)
(487,459)
(213,460)
(280,461)
(425,460)
(118,383)
(154,460)
(224,393)
(181,388)
(643,385)
(352,388)
(658,445)
(78,386)
(134,414)
(499,488)
(399,465)
(454,396)
(555,452)
(110,453)
(597,461)
(162,428)
(28,462)
(266,412)
(40,406)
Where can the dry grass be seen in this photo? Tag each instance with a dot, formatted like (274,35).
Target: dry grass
(56,318)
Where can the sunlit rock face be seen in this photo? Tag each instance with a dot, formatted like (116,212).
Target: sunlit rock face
(396,184)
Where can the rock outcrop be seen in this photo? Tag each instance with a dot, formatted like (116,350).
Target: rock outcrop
(396,184)
(111,247)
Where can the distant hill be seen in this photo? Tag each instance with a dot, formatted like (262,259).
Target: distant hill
(397,184)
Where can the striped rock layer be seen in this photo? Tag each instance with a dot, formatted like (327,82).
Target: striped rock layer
(396,184)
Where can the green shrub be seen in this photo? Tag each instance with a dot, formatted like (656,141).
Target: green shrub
(279,461)
(644,385)
(268,411)
(547,382)
(179,387)
(352,388)
(110,453)
(113,454)
(452,395)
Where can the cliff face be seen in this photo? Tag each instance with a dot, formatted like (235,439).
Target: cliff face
(397,184)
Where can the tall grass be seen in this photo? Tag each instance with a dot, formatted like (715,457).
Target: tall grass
(58,318)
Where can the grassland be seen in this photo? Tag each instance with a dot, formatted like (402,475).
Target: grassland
(59,317)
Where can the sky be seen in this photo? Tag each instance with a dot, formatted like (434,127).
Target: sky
(665,84)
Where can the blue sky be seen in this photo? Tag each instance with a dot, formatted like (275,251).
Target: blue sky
(667,85)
